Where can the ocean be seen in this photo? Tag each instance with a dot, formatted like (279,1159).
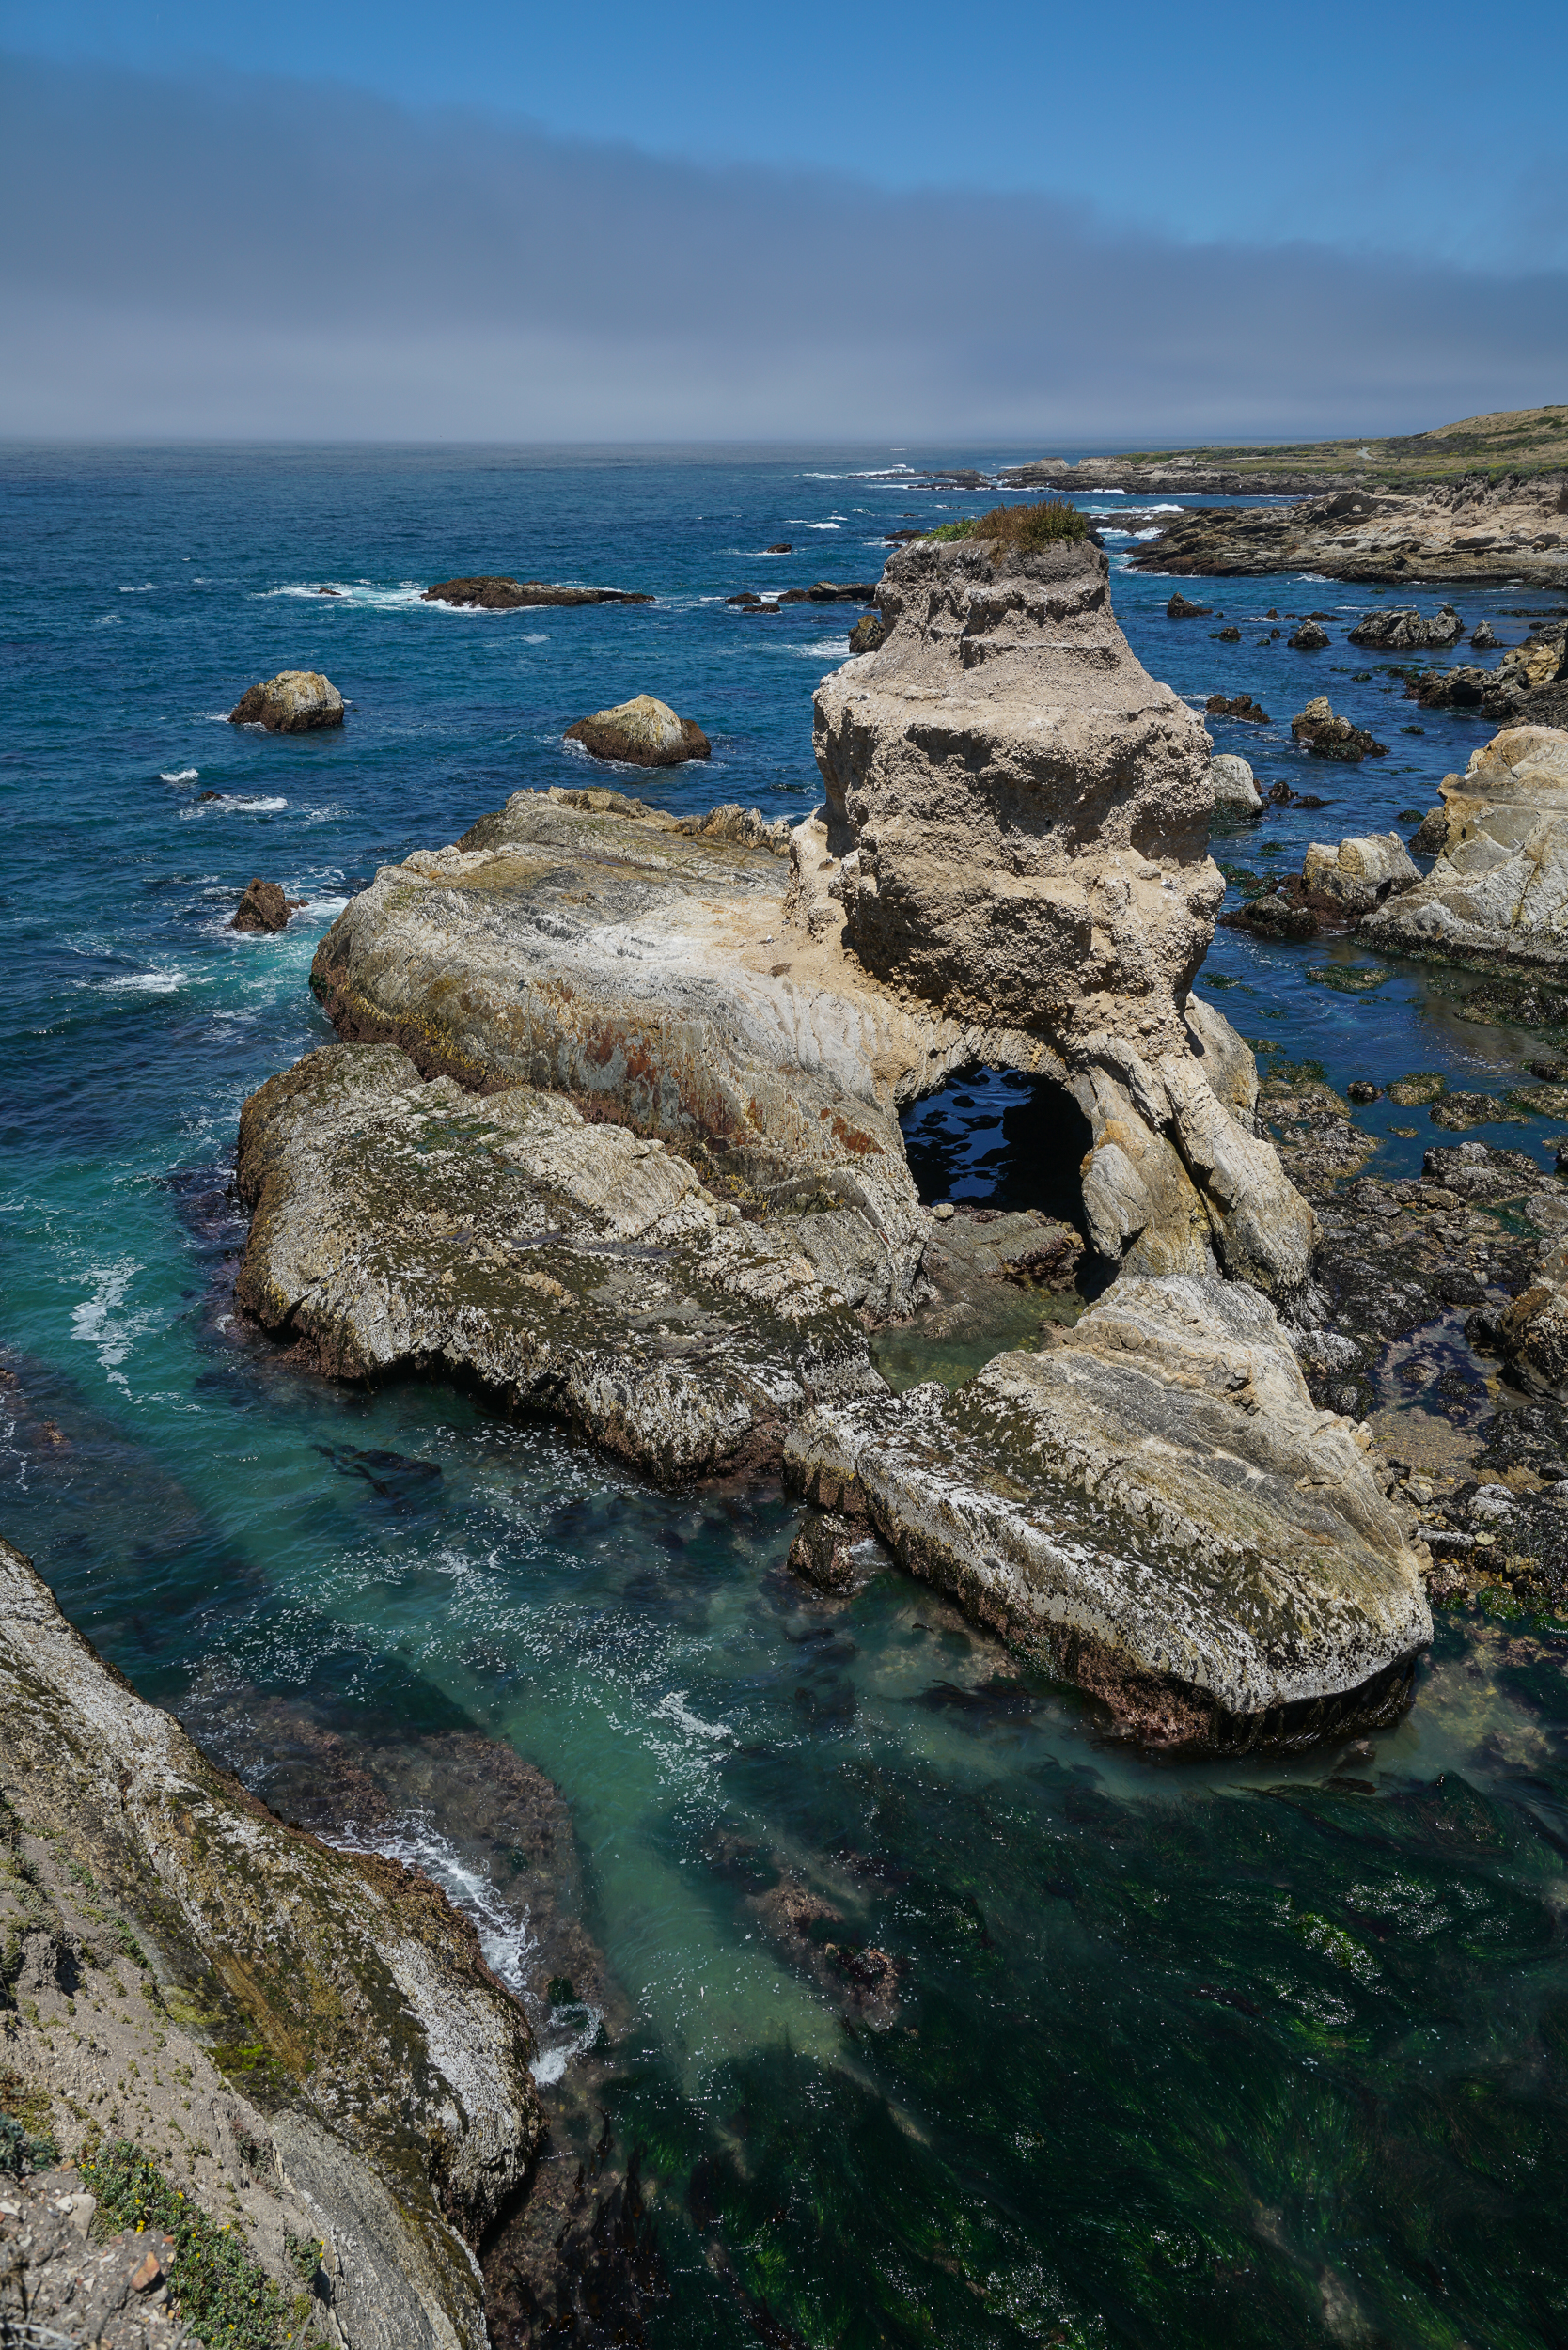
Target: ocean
(1266,2052)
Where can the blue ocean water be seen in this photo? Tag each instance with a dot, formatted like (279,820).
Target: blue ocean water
(1263,2053)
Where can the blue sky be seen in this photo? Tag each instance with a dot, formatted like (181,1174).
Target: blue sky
(1095,194)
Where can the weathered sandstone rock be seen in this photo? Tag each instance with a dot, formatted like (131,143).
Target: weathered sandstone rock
(1354,876)
(567,1267)
(373,2054)
(1018,815)
(1328,735)
(264,907)
(293,702)
(642,732)
(1403,629)
(491,594)
(1461,530)
(1498,892)
(1233,785)
(1154,1509)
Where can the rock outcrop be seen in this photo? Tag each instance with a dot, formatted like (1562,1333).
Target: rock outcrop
(1235,786)
(1497,895)
(296,701)
(1016,829)
(492,593)
(1182,608)
(642,732)
(1152,1508)
(566,1267)
(1403,629)
(1464,530)
(1351,877)
(1328,735)
(1517,692)
(264,907)
(1311,636)
(340,2028)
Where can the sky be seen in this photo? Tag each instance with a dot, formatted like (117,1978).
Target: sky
(1028,226)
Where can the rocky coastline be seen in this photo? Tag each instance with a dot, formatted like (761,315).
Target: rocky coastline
(1471,530)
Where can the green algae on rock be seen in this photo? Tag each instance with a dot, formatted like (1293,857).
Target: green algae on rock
(374,2060)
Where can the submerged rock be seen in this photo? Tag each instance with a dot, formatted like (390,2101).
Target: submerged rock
(1019,817)
(1154,1509)
(642,732)
(493,594)
(1328,735)
(264,907)
(1498,892)
(334,2011)
(1233,785)
(294,703)
(567,1268)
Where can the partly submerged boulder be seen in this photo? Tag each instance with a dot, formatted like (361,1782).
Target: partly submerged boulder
(1233,785)
(642,732)
(1498,892)
(264,907)
(1155,1509)
(294,703)
(1328,735)
(386,2070)
(1017,833)
(1352,877)
(1405,630)
(1311,636)
(489,592)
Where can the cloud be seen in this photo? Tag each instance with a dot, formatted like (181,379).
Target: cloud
(236,258)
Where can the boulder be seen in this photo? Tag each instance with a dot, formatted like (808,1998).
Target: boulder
(866,635)
(1239,706)
(1151,1508)
(1540,660)
(641,733)
(377,2071)
(264,907)
(1309,637)
(293,702)
(1020,816)
(1233,785)
(1182,608)
(489,592)
(1356,875)
(1329,736)
(1405,630)
(779,546)
(1498,894)
(1482,638)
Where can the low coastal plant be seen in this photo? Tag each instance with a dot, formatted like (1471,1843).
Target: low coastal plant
(1044,523)
(224,2297)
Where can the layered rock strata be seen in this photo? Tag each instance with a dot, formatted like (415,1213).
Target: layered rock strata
(1017,822)
(345,2044)
(1154,1509)
(1498,894)
(296,701)
(1465,530)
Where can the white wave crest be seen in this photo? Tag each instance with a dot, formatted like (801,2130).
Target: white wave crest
(674,1709)
(231,804)
(144,589)
(180,774)
(149,982)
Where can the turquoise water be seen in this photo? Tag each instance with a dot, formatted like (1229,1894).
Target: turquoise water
(1156,2054)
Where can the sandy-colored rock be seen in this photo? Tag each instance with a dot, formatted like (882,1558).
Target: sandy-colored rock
(642,732)
(1354,876)
(1233,785)
(566,1267)
(1499,893)
(1460,530)
(1019,815)
(1154,1509)
(332,2008)
(295,701)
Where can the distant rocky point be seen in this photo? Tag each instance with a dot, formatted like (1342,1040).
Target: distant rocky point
(1469,529)
(643,732)
(294,703)
(489,592)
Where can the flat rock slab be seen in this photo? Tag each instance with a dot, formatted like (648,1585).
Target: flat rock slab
(1154,1509)
(569,1267)
(490,592)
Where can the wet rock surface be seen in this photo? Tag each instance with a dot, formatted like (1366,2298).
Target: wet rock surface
(494,593)
(296,701)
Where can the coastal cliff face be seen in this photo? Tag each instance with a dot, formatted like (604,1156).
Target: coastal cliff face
(1467,530)
(1020,816)
(350,2056)
(1497,895)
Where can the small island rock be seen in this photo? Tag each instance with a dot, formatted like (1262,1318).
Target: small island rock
(264,907)
(489,592)
(1328,735)
(1309,637)
(293,702)
(643,732)
(1405,630)
(1235,786)
(1182,608)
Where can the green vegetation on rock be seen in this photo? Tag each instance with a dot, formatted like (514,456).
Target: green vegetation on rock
(1045,523)
(222,2293)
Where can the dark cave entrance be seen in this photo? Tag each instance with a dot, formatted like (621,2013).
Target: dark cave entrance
(995,1138)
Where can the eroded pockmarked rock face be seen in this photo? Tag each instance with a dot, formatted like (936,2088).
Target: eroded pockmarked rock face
(570,1267)
(389,2066)
(1498,892)
(1018,819)
(1154,1508)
